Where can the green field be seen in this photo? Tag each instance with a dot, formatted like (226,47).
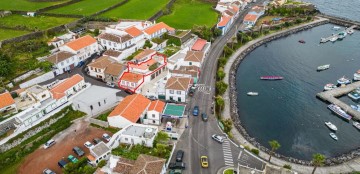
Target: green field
(26,5)
(186,13)
(6,34)
(34,23)
(137,9)
(85,7)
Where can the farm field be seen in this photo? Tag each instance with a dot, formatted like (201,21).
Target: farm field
(187,13)
(137,9)
(34,23)
(6,34)
(26,5)
(85,7)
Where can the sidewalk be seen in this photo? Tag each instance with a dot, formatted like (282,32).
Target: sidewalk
(353,165)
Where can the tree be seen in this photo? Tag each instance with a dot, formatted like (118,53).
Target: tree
(220,103)
(147,44)
(162,138)
(161,150)
(274,146)
(227,125)
(7,66)
(217,32)
(227,51)
(96,32)
(221,87)
(220,74)
(318,160)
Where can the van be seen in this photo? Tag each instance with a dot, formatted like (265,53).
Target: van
(78,151)
(49,143)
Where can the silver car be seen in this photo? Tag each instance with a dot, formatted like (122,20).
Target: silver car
(218,138)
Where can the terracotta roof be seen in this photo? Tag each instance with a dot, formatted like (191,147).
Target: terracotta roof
(59,90)
(101,62)
(178,83)
(6,100)
(224,20)
(59,57)
(115,69)
(131,107)
(229,12)
(144,53)
(112,53)
(133,31)
(91,158)
(159,26)
(157,105)
(194,56)
(237,3)
(146,164)
(144,65)
(81,43)
(124,166)
(198,45)
(115,38)
(131,77)
(250,17)
(189,68)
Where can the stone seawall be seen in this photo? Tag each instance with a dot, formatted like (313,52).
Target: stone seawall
(233,98)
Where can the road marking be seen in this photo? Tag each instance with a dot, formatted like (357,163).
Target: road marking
(228,159)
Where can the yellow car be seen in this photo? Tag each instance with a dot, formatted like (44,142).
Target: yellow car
(204,161)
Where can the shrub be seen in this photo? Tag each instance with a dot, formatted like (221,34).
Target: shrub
(101,164)
(153,67)
(147,44)
(220,74)
(255,151)
(287,166)
(221,87)
(298,21)
(227,125)
(247,148)
(173,41)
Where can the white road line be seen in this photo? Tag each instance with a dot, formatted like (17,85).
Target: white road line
(228,159)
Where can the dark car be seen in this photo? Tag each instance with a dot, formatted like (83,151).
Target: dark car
(172,101)
(80,64)
(128,91)
(204,116)
(191,92)
(97,140)
(196,111)
(62,163)
(179,156)
(177,165)
(78,151)
(152,98)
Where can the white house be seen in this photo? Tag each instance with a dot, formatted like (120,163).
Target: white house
(7,103)
(56,42)
(136,134)
(177,88)
(225,23)
(154,113)
(68,87)
(115,42)
(95,100)
(39,93)
(157,30)
(131,109)
(83,47)
(250,19)
(201,45)
(99,152)
(194,58)
(63,61)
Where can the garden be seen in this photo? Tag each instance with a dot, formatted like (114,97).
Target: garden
(26,5)
(7,33)
(136,9)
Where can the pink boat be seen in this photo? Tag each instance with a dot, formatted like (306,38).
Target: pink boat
(271,78)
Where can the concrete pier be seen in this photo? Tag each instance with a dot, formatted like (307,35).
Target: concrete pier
(331,97)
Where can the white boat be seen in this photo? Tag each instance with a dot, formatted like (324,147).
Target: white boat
(252,93)
(351,31)
(333,39)
(356,108)
(336,28)
(332,135)
(331,126)
(356,125)
(343,80)
(357,75)
(323,67)
(329,87)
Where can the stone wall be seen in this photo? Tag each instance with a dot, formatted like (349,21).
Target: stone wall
(57,5)
(161,12)
(99,122)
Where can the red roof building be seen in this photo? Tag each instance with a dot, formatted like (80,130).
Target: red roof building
(199,45)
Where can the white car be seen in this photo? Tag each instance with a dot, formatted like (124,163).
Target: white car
(106,137)
(110,84)
(88,145)
(49,143)
(218,138)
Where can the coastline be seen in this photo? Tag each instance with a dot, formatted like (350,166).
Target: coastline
(342,163)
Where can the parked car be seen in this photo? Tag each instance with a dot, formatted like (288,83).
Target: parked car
(49,143)
(179,155)
(152,98)
(196,111)
(218,138)
(62,163)
(175,171)
(88,145)
(97,140)
(204,161)
(106,137)
(172,101)
(110,84)
(78,151)
(204,116)
(80,64)
(191,92)
(177,165)
(48,171)
(72,159)
(128,91)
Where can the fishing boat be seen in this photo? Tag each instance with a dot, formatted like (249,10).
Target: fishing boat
(351,31)
(302,41)
(252,93)
(331,126)
(271,78)
(338,111)
(329,87)
(333,136)
(342,35)
(357,75)
(356,125)
(343,80)
(323,67)
(336,28)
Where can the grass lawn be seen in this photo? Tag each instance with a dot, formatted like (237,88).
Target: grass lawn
(38,22)
(187,13)
(26,5)
(137,9)
(6,34)
(229,171)
(85,7)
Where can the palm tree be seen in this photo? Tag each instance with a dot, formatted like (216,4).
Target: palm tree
(274,146)
(318,160)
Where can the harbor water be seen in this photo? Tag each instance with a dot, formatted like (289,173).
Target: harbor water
(287,110)
(345,8)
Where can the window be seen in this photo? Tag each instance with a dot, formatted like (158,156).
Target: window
(154,121)
(153,115)
(178,92)
(104,42)
(43,96)
(171,91)
(126,139)
(62,63)
(91,107)
(78,106)
(67,60)
(104,101)
(190,63)
(72,59)
(99,103)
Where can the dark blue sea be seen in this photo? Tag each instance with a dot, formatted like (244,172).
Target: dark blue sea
(288,110)
(342,8)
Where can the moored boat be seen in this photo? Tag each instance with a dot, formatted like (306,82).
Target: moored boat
(271,78)
(351,31)
(336,28)
(302,41)
(333,136)
(356,125)
(333,39)
(354,95)
(343,80)
(357,75)
(342,35)
(329,87)
(356,108)
(252,93)
(331,126)
(323,67)
(338,111)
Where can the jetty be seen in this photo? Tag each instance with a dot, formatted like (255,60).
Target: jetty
(334,37)
(331,97)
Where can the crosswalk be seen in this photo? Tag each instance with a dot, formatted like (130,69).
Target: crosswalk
(227,153)
(203,88)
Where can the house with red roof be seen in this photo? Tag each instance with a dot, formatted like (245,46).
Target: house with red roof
(7,103)
(68,87)
(83,47)
(157,30)
(201,45)
(250,19)
(225,23)
(154,113)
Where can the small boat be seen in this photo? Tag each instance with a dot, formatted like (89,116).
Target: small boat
(351,31)
(356,125)
(338,111)
(336,28)
(329,87)
(331,126)
(302,41)
(341,35)
(354,95)
(343,80)
(323,40)
(333,136)
(356,108)
(357,75)
(334,38)
(271,78)
(323,67)
(252,93)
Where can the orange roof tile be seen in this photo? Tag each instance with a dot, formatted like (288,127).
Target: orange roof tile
(159,26)
(81,42)
(144,53)
(198,45)
(59,90)
(131,107)
(6,100)
(133,31)
(157,105)
(224,20)
(144,65)
(250,17)
(91,158)
(131,77)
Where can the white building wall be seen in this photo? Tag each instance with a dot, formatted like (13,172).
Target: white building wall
(106,102)
(153,118)
(118,121)
(95,72)
(175,95)
(65,65)
(190,63)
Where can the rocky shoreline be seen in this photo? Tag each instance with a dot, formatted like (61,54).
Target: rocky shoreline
(234,109)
